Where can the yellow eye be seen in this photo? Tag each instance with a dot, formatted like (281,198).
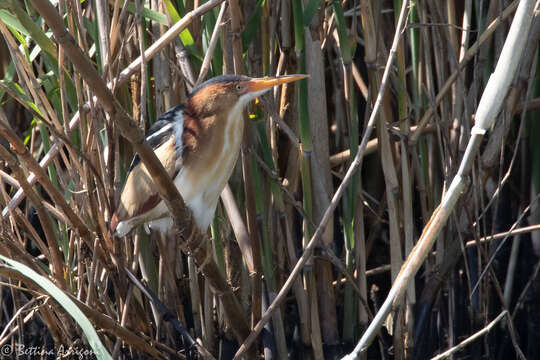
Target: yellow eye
(238,87)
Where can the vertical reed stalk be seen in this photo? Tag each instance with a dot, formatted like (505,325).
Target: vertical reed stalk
(320,166)
(349,200)
(236,18)
(406,182)
(306,150)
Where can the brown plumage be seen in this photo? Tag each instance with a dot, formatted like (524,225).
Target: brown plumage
(198,144)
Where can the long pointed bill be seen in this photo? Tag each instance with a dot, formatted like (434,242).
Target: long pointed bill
(266,83)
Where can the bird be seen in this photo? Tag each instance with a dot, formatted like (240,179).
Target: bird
(198,144)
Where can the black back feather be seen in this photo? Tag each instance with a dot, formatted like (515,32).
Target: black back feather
(157,140)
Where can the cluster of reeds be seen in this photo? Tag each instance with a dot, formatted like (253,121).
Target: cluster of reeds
(304,249)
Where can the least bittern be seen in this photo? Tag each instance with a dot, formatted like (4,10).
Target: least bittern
(198,144)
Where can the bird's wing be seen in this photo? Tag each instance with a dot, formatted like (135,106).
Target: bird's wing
(161,131)
(139,194)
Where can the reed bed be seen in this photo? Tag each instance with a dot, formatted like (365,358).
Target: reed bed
(385,207)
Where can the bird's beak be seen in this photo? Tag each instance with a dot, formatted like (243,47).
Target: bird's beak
(268,82)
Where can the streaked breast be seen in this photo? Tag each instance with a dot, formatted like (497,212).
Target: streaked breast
(203,178)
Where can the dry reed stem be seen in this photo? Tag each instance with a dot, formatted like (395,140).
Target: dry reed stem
(454,76)
(212,45)
(471,338)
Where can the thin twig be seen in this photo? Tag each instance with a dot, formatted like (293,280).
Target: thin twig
(452,78)
(212,45)
(471,338)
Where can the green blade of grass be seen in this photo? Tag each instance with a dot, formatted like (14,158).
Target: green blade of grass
(8,78)
(148,14)
(32,29)
(309,10)
(344,43)
(185,35)
(91,335)
(11,21)
(253,25)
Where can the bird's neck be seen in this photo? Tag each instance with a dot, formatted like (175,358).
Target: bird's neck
(207,133)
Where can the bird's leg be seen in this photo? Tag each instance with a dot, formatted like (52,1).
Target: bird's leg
(191,243)
(204,242)
(194,245)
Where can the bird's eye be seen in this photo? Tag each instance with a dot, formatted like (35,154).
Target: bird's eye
(238,87)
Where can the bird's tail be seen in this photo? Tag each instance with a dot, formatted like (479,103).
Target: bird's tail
(120,228)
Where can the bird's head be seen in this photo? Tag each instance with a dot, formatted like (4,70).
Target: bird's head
(224,93)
